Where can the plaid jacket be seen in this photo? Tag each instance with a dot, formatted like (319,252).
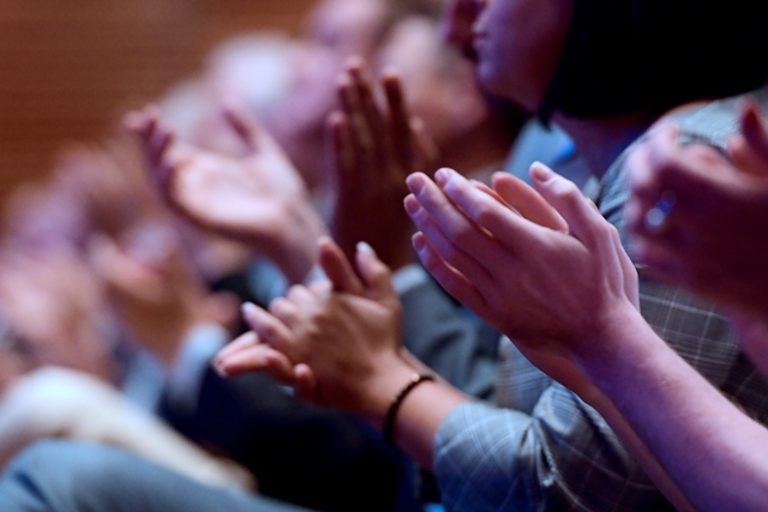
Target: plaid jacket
(547,449)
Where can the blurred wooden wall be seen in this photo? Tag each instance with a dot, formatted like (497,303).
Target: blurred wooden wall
(67,67)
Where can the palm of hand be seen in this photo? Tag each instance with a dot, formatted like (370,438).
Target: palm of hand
(245,197)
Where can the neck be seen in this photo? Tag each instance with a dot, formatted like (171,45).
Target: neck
(600,141)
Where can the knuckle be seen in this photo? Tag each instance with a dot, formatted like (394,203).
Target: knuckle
(484,214)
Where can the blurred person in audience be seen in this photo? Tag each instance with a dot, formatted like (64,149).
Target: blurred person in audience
(40,401)
(60,374)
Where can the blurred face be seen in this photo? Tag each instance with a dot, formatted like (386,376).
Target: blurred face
(439,84)
(516,44)
(348,26)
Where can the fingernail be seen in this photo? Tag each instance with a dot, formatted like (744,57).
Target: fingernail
(220,368)
(418,241)
(411,205)
(540,172)
(248,309)
(443,176)
(364,248)
(415,183)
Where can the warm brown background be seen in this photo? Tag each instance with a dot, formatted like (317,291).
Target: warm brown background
(68,66)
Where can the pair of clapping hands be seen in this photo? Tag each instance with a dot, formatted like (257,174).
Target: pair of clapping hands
(539,264)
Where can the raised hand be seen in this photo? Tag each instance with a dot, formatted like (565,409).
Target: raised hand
(257,198)
(696,215)
(154,290)
(375,149)
(545,286)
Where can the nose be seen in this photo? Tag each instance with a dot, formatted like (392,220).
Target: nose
(458,20)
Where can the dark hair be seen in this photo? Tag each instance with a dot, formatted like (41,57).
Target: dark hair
(628,56)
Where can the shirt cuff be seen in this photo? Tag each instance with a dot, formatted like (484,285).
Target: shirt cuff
(186,375)
(409,277)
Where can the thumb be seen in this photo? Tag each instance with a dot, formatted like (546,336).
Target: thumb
(304,382)
(568,200)
(749,148)
(243,128)
(376,274)
(754,132)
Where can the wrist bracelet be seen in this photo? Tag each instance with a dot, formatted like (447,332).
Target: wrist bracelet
(394,407)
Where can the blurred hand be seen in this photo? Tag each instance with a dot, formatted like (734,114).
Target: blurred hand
(257,198)
(154,290)
(375,149)
(709,239)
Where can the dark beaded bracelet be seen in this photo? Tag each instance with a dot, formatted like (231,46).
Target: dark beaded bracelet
(394,407)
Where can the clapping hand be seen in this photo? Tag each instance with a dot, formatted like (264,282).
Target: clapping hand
(257,198)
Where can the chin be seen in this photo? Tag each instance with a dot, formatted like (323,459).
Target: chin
(489,82)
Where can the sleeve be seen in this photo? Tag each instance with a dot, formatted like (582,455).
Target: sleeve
(561,457)
(192,361)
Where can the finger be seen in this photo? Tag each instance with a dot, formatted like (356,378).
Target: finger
(452,281)
(343,153)
(358,72)
(156,140)
(337,268)
(302,299)
(321,288)
(242,342)
(244,129)
(584,223)
(749,148)
(376,274)
(754,131)
(360,133)
(305,384)
(399,117)
(658,260)
(482,187)
(529,203)
(269,329)
(744,158)
(285,311)
(452,223)
(504,225)
(159,142)
(450,252)
(258,358)
(641,165)
(685,170)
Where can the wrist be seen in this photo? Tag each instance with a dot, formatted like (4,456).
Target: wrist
(623,343)
(384,386)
